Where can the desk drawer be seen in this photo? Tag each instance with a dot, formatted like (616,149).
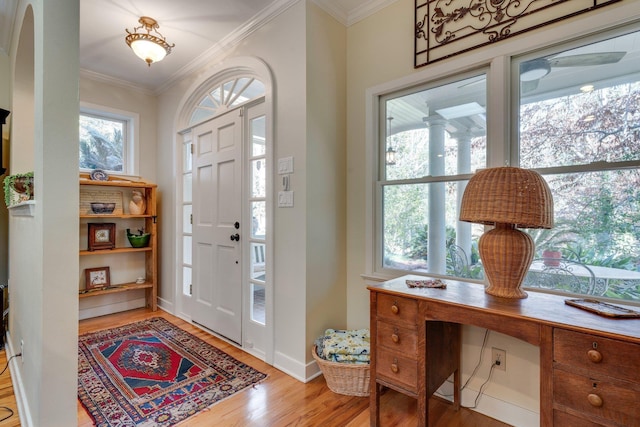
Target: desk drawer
(596,354)
(397,338)
(397,369)
(562,419)
(591,396)
(397,310)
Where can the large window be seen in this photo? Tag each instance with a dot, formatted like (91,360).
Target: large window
(576,120)
(107,140)
(579,125)
(434,137)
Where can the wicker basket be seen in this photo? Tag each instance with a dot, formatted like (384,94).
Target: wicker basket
(344,378)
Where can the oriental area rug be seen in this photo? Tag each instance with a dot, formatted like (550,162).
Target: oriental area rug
(154,374)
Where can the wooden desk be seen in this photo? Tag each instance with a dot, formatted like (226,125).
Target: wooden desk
(589,364)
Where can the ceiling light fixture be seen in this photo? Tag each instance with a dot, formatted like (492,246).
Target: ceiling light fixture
(148,47)
(534,69)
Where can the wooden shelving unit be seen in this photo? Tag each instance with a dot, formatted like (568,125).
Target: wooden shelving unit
(116,257)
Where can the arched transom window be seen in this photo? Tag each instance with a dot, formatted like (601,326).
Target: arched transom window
(227,95)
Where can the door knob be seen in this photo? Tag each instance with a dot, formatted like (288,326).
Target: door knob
(235,237)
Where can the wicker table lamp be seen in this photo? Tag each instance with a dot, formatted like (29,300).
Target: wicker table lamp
(507,197)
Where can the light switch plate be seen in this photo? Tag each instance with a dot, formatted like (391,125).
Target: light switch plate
(285,199)
(285,165)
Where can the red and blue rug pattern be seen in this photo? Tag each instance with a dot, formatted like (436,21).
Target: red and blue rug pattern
(154,374)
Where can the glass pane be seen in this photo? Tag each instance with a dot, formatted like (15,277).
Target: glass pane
(186,218)
(186,250)
(579,106)
(418,238)
(201,114)
(186,187)
(609,248)
(258,178)
(258,261)
(102,143)
(186,280)
(255,89)
(259,220)
(257,303)
(187,157)
(258,146)
(438,131)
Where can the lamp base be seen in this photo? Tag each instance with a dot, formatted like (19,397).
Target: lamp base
(506,254)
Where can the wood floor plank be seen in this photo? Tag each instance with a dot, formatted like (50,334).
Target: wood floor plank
(278,401)
(281,400)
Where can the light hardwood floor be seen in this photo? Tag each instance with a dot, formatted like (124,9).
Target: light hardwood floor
(280,400)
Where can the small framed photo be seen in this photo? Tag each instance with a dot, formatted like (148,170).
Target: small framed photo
(102,236)
(97,278)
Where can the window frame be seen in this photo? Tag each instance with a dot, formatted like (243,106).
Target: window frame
(502,115)
(131,137)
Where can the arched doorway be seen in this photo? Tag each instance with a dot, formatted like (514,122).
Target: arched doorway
(223,205)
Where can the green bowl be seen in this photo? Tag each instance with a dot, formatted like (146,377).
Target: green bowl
(139,241)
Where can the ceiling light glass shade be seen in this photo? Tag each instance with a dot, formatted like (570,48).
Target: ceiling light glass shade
(148,47)
(534,69)
(148,51)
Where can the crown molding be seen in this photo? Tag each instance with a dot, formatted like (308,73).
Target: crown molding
(350,17)
(103,78)
(265,16)
(367,9)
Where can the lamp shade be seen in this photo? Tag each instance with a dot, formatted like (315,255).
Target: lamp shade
(507,197)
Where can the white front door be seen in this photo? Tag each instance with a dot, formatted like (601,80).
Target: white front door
(217,237)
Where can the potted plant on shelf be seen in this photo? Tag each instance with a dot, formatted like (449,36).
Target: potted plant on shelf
(20,184)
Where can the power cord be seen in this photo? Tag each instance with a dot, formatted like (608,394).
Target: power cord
(3,371)
(9,360)
(475,370)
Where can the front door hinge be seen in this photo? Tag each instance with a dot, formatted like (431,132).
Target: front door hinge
(191,289)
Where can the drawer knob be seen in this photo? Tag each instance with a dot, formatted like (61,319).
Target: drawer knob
(594,400)
(395,338)
(395,309)
(394,368)
(595,356)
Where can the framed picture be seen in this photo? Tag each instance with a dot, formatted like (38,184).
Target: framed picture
(97,278)
(102,236)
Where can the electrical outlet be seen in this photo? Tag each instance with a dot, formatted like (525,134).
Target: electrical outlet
(499,358)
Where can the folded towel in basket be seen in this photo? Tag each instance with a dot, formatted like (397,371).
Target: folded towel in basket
(348,346)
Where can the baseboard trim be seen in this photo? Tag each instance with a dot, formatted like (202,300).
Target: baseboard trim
(495,408)
(18,385)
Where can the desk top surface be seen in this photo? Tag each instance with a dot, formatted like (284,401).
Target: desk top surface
(542,308)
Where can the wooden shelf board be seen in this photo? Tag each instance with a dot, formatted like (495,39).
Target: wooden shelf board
(125,287)
(125,216)
(115,183)
(114,251)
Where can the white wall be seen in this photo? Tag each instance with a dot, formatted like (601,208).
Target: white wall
(115,95)
(380,55)
(281,44)
(43,248)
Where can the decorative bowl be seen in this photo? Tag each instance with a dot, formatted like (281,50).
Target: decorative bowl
(138,240)
(102,208)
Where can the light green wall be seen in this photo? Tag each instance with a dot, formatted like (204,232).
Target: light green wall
(380,58)
(325,163)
